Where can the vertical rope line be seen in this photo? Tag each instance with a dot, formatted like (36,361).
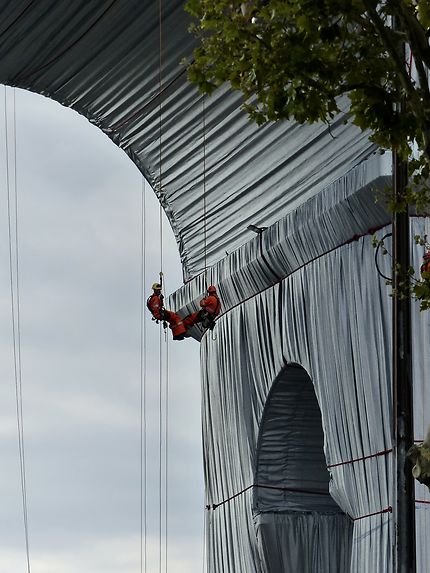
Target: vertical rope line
(166,459)
(18,318)
(143,455)
(204,189)
(206,514)
(163,453)
(160,446)
(15,323)
(160,126)
(141,377)
(160,161)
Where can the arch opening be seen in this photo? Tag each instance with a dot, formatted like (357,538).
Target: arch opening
(299,525)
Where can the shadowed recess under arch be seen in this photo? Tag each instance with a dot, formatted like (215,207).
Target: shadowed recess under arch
(297,520)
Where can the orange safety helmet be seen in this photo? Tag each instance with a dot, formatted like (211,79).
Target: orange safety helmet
(211,289)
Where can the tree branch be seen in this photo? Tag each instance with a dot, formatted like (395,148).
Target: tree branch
(391,48)
(417,36)
(421,52)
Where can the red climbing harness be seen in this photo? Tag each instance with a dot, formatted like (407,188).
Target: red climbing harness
(210,308)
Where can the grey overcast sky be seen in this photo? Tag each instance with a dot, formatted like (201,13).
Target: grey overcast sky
(79,236)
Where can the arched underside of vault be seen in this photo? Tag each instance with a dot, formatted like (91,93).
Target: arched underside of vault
(299,526)
(101,58)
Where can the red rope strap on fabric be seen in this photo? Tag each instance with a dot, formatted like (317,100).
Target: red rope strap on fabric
(422,501)
(383,453)
(388,509)
(352,239)
(215,505)
(212,507)
(289,489)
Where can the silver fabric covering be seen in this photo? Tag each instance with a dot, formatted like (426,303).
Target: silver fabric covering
(102,58)
(332,317)
(345,209)
(304,292)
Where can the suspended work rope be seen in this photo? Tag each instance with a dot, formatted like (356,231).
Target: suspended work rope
(163,448)
(166,458)
(160,449)
(163,357)
(160,127)
(204,190)
(143,371)
(205,517)
(15,305)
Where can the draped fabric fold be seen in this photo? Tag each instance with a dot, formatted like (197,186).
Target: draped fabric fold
(121,65)
(304,291)
(342,211)
(332,317)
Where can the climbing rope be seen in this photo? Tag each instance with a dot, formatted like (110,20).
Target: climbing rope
(15,307)
(143,372)
(160,447)
(160,127)
(204,191)
(116,127)
(166,457)
(163,380)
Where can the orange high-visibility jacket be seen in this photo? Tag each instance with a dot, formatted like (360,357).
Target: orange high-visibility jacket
(155,305)
(211,304)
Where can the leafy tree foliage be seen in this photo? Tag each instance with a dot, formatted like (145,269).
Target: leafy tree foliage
(294,59)
(298,56)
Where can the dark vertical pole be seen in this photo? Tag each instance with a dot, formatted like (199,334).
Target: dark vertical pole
(402,382)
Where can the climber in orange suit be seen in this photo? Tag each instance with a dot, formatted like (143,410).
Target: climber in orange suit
(210,309)
(155,304)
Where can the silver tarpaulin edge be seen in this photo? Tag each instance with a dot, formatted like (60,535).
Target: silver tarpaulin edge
(333,318)
(213,170)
